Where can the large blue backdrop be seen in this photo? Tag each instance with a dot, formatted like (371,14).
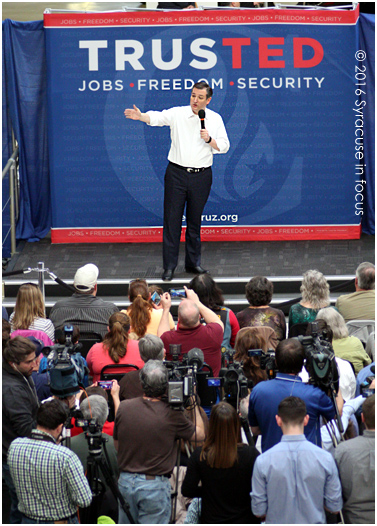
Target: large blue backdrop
(285,83)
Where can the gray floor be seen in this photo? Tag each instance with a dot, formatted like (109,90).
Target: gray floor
(225,260)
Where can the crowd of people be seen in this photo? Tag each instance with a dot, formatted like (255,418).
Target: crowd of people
(311,456)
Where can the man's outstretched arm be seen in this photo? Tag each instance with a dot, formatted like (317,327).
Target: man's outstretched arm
(136,115)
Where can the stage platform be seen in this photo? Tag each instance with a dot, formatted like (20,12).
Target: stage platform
(224,260)
(231,264)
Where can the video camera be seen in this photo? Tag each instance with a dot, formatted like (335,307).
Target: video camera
(65,366)
(321,364)
(267,361)
(236,385)
(182,374)
(235,388)
(320,359)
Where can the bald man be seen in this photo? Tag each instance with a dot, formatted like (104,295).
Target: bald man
(191,332)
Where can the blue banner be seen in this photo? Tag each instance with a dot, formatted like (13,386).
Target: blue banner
(284,83)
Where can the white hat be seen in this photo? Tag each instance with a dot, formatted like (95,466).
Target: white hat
(86,277)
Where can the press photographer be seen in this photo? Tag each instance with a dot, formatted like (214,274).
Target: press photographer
(49,478)
(95,409)
(251,363)
(347,380)
(20,403)
(190,332)
(247,339)
(266,396)
(145,433)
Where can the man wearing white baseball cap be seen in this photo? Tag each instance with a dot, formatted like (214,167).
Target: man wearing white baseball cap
(84,308)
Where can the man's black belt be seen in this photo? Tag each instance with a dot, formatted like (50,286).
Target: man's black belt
(57,521)
(190,170)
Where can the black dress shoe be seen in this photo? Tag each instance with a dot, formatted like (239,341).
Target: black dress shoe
(168,274)
(196,270)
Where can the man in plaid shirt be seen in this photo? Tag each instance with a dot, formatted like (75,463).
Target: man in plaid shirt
(49,478)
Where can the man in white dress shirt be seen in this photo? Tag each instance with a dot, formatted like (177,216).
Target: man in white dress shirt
(188,177)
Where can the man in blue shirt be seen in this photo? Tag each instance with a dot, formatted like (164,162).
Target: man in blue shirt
(295,481)
(266,396)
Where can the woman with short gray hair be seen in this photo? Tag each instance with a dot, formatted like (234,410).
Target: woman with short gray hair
(347,347)
(315,295)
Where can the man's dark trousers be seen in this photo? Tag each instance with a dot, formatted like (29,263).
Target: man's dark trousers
(192,189)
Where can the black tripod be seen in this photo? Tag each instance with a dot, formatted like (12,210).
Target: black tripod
(246,428)
(97,464)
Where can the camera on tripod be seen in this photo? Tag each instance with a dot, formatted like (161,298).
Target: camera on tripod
(321,365)
(235,384)
(182,374)
(235,388)
(320,359)
(93,434)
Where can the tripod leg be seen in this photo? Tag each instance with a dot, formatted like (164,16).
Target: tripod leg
(105,470)
(246,428)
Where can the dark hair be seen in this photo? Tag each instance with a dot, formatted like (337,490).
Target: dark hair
(368,409)
(155,288)
(51,414)
(154,378)
(208,292)
(116,340)
(292,410)
(152,289)
(140,309)
(246,339)
(259,291)
(93,390)
(220,447)
(6,329)
(18,349)
(290,356)
(60,334)
(323,327)
(204,85)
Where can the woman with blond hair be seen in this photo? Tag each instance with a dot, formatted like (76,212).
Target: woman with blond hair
(224,467)
(116,347)
(315,295)
(144,318)
(29,311)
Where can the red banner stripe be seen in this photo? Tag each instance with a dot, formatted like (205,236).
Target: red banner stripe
(226,233)
(197,17)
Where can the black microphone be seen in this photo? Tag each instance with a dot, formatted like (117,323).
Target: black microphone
(202,115)
(195,357)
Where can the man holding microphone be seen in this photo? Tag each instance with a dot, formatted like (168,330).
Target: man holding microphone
(196,135)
